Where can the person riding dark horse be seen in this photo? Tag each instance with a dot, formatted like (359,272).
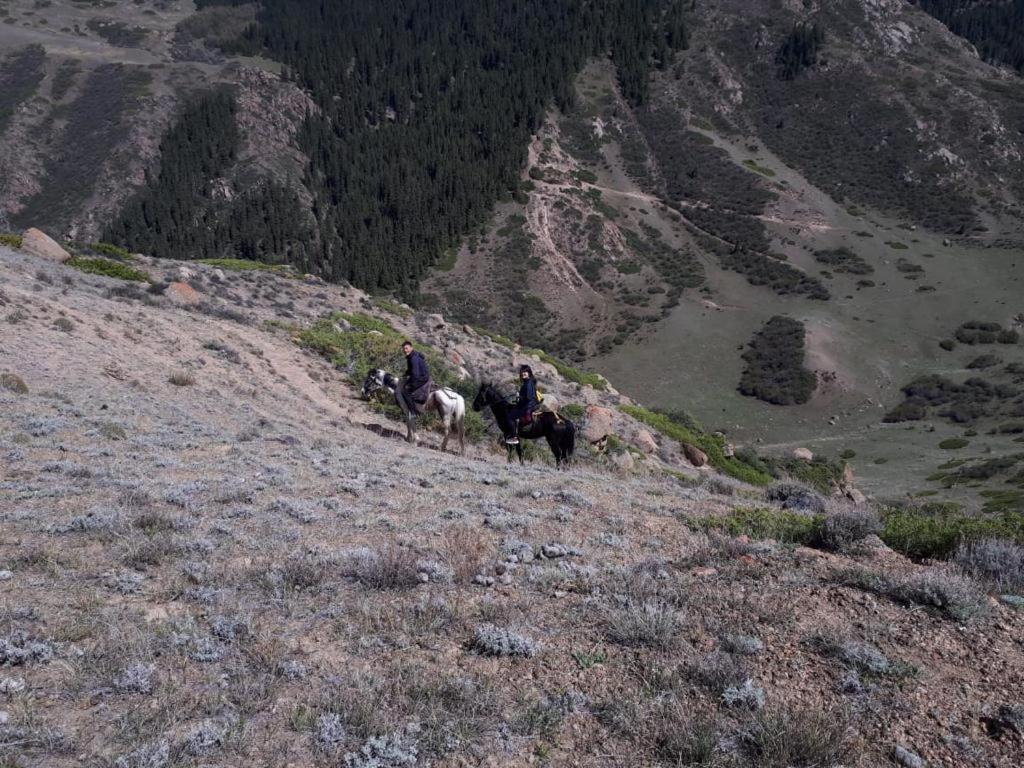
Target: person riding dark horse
(525,405)
(416,384)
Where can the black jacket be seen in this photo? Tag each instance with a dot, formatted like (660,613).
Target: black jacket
(416,373)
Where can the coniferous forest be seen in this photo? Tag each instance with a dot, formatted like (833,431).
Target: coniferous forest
(996,29)
(426,110)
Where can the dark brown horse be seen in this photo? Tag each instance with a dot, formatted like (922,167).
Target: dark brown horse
(558,431)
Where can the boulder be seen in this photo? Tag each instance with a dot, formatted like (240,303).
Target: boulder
(695,455)
(182,293)
(856,496)
(434,321)
(218,275)
(597,423)
(38,243)
(645,441)
(624,461)
(848,475)
(728,450)
(804,454)
(185,274)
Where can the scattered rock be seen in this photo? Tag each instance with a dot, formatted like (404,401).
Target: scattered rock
(906,758)
(185,274)
(695,455)
(804,454)
(483,581)
(856,496)
(645,441)
(624,461)
(704,571)
(38,243)
(1014,601)
(552,551)
(597,423)
(6,575)
(182,293)
(728,450)
(219,276)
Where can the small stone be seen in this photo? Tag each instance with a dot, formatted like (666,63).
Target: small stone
(483,581)
(906,758)
(423,577)
(804,454)
(5,717)
(704,570)
(6,575)
(512,559)
(1014,601)
(501,568)
(506,579)
(11,684)
(553,551)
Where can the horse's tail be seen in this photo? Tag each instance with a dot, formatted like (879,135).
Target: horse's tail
(570,440)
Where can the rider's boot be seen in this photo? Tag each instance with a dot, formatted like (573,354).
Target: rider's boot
(513,439)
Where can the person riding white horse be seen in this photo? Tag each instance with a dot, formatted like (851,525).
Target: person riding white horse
(416,394)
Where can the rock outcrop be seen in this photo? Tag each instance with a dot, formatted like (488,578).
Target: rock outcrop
(38,243)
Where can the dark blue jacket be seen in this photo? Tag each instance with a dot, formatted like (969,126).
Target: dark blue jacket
(416,373)
(527,396)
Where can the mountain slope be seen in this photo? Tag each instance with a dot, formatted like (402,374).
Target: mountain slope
(213,551)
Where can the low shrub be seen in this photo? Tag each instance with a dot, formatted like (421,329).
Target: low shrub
(795,496)
(846,524)
(997,561)
(247,265)
(108,268)
(11,241)
(110,251)
(394,568)
(764,523)
(13,383)
(489,640)
(651,623)
(923,533)
(984,361)
(798,737)
(952,595)
(181,379)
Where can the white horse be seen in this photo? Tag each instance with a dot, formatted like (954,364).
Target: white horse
(448,403)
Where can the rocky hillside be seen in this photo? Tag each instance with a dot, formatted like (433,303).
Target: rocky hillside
(89,91)
(214,552)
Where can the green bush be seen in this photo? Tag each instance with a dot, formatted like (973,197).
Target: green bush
(569,373)
(572,411)
(11,241)
(108,268)
(948,344)
(110,251)
(713,446)
(369,343)
(954,443)
(934,532)
(764,523)
(246,265)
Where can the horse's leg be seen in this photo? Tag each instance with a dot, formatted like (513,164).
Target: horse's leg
(447,421)
(462,435)
(519,450)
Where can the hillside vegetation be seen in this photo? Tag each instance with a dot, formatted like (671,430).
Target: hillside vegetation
(215,552)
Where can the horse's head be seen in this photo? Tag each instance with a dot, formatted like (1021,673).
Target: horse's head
(374,381)
(483,397)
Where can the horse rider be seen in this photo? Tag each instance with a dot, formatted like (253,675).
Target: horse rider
(525,405)
(416,384)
